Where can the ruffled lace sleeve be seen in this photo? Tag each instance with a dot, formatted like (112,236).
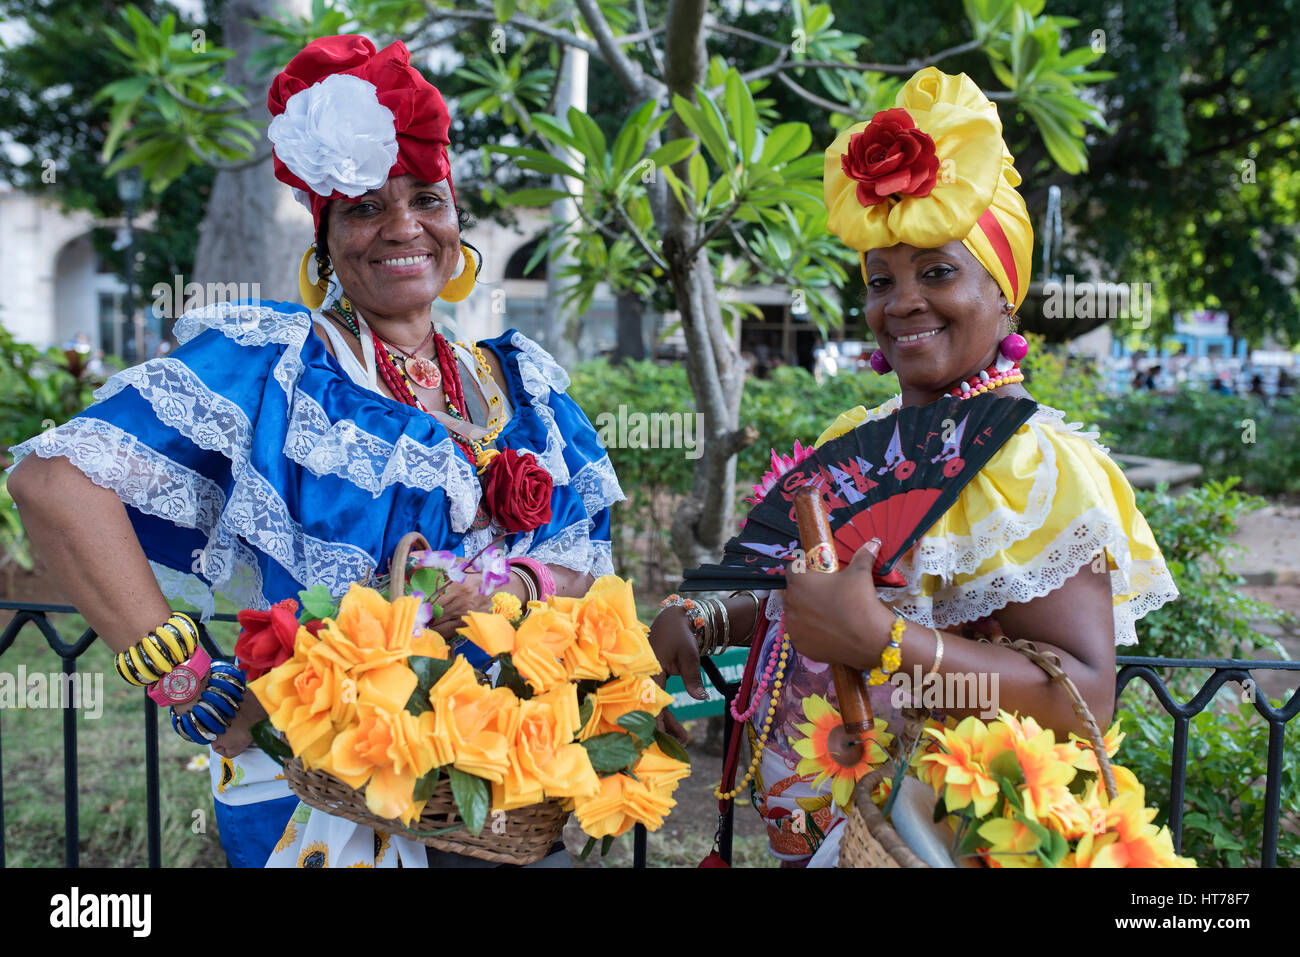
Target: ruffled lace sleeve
(252,466)
(550,425)
(1049,502)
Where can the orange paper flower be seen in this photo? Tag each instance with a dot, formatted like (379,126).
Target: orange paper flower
(621,696)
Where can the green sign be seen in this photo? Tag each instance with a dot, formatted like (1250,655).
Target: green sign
(685,708)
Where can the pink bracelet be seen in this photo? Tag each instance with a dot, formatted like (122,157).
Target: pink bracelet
(541,574)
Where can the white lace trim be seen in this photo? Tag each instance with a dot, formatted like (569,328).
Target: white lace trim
(1078,544)
(598,485)
(155,485)
(339,448)
(1149,582)
(573,547)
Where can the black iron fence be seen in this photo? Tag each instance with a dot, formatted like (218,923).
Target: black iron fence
(1222,670)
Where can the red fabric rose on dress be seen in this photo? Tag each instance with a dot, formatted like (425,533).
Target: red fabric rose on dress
(891,157)
(518,492)
(267,638)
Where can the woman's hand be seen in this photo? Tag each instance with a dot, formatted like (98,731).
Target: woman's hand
(239,735)
(674,645)
(459,598)
(838,618)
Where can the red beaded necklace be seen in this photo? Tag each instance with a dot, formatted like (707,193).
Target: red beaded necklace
(399,383)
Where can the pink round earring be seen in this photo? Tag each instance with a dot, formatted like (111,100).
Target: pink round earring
(1014,346)
(880,363)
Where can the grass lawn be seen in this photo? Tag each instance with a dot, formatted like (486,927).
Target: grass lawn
(113,829)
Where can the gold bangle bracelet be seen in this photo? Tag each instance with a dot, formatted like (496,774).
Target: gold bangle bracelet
(758,606)
(938,651)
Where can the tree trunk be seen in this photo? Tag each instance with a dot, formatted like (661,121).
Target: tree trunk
(254,230)
(631,328)
(713,368)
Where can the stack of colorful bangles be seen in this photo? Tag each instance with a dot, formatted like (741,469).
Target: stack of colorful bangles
(709,620)
(171,664)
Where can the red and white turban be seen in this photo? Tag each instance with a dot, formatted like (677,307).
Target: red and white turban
(346,118)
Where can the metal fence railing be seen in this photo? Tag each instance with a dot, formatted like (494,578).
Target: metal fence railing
(1146,669)
(1223,670)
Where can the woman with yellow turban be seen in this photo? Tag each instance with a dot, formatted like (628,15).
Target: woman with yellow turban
(1045,543)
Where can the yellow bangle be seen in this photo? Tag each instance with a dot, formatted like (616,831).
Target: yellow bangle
(892,657)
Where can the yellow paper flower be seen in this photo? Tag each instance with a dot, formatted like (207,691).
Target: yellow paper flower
(621,696)
(507,606)
(1086,759)
(475,723)
(545,761)
(369,632)
(608,629)
(310,697)
(965,780)
(1011,844)
(541,643)
(814,748)
(386,752)
(623,801)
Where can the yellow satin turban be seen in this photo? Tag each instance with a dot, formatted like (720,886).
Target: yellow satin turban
(933,169)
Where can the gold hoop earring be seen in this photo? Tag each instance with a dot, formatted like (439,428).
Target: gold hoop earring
(313,294)
(462,285)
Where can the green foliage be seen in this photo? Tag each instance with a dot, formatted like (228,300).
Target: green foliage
(14,547)
(1225,435)
(1212,617)
(175,106)
(37,390)
(1227,766)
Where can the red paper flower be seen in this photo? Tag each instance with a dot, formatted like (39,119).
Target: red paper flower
(891,157)
(267,638)
(518,492)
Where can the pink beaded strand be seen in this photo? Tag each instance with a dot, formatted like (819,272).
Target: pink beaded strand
(756,696)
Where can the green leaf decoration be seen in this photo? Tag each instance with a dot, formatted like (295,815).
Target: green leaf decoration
(427,580)
(424,787)
(1006,768)
(606,843)
(587,849)
(317,603)
(940,809)
(264,737)
(428,670)
(671,746)
(472,797)
(512,679)
(612,752)
(641,724)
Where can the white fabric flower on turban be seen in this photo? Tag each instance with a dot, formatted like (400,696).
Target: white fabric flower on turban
(336,135)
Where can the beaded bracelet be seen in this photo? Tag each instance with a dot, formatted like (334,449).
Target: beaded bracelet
(157,653)
(892,657)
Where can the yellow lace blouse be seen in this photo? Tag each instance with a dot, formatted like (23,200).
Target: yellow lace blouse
(1050,501)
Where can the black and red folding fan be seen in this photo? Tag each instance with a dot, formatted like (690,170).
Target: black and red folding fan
(891,479)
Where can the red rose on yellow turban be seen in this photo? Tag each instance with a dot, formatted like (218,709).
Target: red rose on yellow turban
(891,157)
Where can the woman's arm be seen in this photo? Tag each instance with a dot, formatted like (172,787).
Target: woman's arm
(84,537)
(839,618)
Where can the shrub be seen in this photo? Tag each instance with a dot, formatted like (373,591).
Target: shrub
(1227,765)
(1211,618)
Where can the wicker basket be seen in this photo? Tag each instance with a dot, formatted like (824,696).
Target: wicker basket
(524,836)
(527,835)
(871,841)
